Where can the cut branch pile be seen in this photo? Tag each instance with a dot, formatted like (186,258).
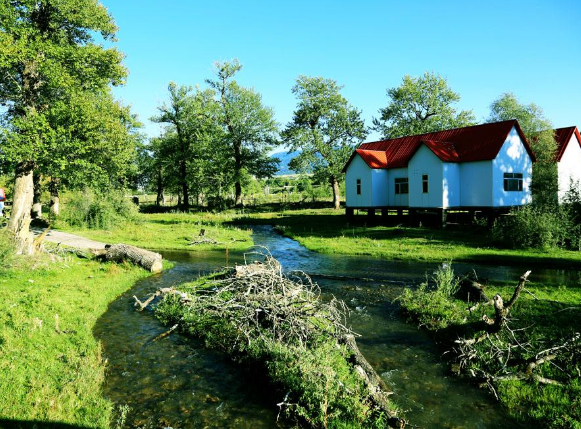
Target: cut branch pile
(495,354)
(258,313)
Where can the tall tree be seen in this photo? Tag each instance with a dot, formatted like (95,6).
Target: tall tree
(97,137)
(47,48)
(250,130)
(325,129)
(539,132)
(191,118)
(421,105)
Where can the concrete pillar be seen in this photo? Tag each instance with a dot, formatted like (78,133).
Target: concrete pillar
(443,217)
(350,211)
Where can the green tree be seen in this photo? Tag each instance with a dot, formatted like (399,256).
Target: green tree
(539,132)
(47,49)
(250,130)
(192,120)
(97,138)
(421,105)
(325,129)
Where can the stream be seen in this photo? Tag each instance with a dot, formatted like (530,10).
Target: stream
(177,383)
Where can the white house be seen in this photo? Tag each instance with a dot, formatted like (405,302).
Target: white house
(568,158)
(483,166)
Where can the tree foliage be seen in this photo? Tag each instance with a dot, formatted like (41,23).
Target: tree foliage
(539,132)
(250,130)
(325,129)
(421,105)
(49,58)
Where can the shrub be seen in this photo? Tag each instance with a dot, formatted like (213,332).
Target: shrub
(88,210)
(533,227)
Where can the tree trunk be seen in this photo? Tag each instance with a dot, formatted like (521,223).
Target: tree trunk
(237,170)
(184,185)
(19,224)
(160,200)
(336,193)
(144,258)
(36,200)
(54,205)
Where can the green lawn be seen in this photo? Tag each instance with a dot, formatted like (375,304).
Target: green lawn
(174,231)
(327,231)
(53,371)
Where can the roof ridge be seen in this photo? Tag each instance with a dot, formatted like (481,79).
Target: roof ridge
(440,131)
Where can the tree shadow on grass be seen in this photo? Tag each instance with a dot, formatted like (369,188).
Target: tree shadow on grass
(34,424)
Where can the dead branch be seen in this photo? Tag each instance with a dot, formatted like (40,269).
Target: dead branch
(165,334)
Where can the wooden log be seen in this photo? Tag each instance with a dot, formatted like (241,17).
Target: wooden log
(378,393)
(144,258)
(471,291)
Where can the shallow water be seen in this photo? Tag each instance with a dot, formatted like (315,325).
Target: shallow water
(176,382)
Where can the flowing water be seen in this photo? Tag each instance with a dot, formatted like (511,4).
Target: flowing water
(176,382)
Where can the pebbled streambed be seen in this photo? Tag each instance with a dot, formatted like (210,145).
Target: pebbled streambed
(176,382)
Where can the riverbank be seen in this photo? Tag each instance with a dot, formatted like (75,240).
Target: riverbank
(531,364)
(50,363)
(327,231)
(175,231)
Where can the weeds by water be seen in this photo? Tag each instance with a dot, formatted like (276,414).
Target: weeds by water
(544,321)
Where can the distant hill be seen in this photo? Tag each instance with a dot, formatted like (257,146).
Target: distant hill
(285,158)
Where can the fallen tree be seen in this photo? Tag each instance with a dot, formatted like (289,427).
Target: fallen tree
(144,258)
(527,352)
(258,314)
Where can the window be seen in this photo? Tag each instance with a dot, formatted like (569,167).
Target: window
(401,185)
(512,182)
(358,186)
(425,186)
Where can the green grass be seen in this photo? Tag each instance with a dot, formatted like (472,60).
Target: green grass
(173,231)
(541,318)
(327,231)
(45,375)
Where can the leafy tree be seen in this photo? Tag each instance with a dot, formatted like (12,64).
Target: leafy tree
(250,130)
(47,49)
(421,105)
(539,132)
(97,137)
(192,119)
(325,128)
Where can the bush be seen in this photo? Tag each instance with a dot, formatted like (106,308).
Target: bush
(88,210)
(533,227)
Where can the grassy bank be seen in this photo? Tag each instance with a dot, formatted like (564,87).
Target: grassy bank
(173,231)
(542,327)
(327,231)
(52,370)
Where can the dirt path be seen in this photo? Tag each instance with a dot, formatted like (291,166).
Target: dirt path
(67,239)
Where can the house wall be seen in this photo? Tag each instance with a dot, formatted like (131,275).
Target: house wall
(475,184)
(451,185)
(512,158)
(569,167)
(425,162)
(379,188)
(358,169)
(396,200)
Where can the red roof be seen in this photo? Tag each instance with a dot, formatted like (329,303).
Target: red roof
(373,158)
(563,137)
(475,143)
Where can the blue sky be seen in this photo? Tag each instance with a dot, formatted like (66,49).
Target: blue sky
(483,48)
